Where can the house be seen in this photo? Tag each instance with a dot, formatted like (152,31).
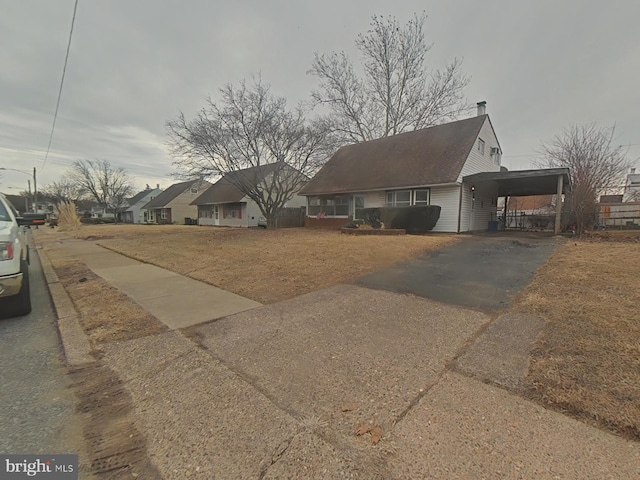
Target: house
(225,205)
(422,167)
(632,187)
(174,204)
(526,213)
(135,214)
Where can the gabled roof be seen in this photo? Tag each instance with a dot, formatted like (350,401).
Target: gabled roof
(169,194)
(139,196)
(429,156)
(225,189)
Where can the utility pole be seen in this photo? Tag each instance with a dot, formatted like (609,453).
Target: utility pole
(28,198)
(35,192)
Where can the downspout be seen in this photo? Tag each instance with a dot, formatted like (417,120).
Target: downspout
(460,207)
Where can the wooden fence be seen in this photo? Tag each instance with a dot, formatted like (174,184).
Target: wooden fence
(291,217)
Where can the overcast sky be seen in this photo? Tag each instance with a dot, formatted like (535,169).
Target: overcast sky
(134,64)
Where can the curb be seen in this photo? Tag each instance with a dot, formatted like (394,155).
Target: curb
(75,344)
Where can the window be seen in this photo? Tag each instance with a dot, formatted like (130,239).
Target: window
(406,198)
(421,197)
(233,210)
(163,214)
(333,206)
(481,146)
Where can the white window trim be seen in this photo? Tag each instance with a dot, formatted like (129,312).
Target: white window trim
(481,146)
(412,197)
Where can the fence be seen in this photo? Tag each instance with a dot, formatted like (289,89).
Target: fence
(291,217)
(619,215)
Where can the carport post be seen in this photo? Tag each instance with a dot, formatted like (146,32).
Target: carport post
(558,205)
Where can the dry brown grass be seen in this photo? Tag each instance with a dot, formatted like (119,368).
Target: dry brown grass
(106,314)
(587,360)
(269,266)
(67,218)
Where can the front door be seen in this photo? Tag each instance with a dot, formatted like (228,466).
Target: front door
(358,205)
(216,215)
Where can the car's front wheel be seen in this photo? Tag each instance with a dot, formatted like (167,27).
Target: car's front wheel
(20,304)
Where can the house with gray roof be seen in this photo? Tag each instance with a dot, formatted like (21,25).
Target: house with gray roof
(135,214)
(422,167)
(174,204)
(225,204)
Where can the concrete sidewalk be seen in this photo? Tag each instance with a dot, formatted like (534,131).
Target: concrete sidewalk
(175,300)
(280,390)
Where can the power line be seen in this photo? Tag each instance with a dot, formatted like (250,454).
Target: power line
(64,69)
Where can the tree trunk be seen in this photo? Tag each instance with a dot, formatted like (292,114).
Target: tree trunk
(272,220)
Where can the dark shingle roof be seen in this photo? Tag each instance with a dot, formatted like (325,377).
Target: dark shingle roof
(137,197)
(225,191)
(430,156)
(169,194)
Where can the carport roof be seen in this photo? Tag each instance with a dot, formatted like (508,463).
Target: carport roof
(521,183)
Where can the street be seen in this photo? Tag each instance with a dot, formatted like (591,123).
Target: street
(38,413)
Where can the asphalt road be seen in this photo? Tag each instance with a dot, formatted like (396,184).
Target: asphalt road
(483,272)
(37,412)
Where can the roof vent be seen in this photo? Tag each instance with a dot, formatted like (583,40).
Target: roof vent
(482,108)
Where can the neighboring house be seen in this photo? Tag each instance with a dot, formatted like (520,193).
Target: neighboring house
(135,214)
(531,212)
(102,212)
(174,204)
(611,198)
(632,187)
(225,205)
(423,167)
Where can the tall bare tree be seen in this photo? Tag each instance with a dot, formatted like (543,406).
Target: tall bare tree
(252,140)
(597,167)
(396,92)
(65,190)
(108,185)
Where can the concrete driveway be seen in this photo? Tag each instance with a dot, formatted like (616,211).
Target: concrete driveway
(483,272)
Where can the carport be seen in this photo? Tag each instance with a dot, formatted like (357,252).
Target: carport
(522,183)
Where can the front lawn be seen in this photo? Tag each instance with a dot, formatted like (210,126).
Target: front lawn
(269,266)
(587,360)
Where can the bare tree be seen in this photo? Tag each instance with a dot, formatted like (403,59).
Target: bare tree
(109,186)
(597,166)
(65,190)
(253,141)
(396,93)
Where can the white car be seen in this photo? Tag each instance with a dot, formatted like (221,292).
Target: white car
(15,299)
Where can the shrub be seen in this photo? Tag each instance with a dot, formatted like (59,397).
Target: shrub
(354,224)
(417,219)
(97,221)
(67,217)
(371,217)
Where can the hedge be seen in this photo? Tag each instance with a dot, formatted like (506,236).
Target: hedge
(417,219)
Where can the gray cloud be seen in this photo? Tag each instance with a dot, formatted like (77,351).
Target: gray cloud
(134,64)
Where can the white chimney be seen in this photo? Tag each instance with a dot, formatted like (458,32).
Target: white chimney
(482,108)
(633,170)
(158,186)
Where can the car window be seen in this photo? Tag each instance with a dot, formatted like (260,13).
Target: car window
(4,214)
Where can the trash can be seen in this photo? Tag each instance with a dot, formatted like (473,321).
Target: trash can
(493,226)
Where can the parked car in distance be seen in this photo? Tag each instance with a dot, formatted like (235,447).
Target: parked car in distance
(15,294)
(262,222)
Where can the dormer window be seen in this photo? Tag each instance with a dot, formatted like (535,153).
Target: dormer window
(496,154)
(481,146)
(194,190)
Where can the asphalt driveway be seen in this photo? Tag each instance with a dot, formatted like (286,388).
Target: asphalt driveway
(482,272)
